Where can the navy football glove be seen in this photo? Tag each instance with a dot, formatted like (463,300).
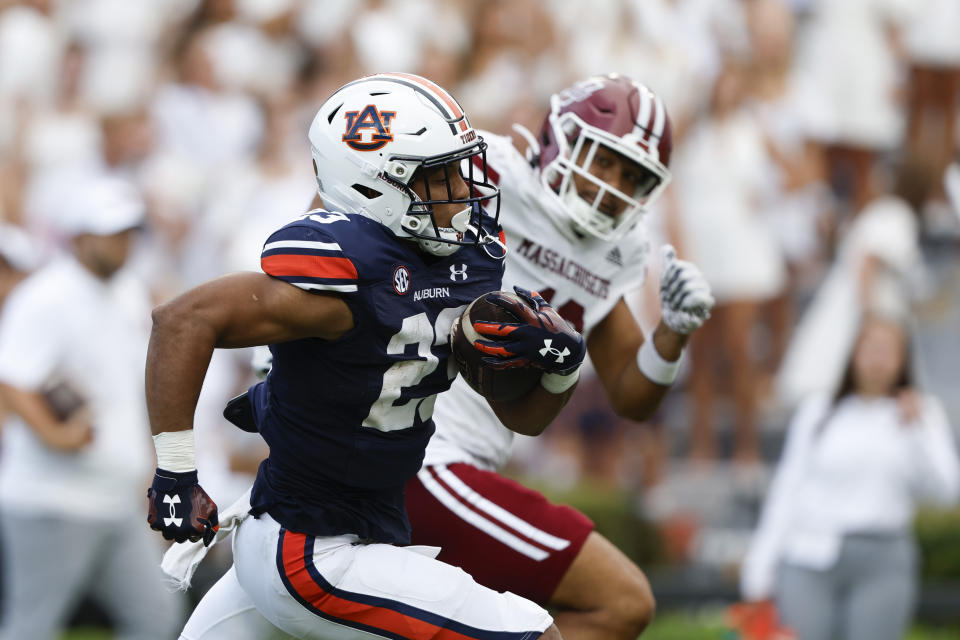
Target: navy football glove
(542,339)
(180,509)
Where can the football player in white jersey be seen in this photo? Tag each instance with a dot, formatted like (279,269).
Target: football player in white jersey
(572,216)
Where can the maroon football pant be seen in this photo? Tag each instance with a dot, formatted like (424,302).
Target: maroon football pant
(508,537)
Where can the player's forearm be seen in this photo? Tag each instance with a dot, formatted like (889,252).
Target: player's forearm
(637,396)
(668,342)
(531,414)
(181,345)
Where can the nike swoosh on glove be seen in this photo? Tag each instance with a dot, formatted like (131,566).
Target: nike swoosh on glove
(180,509)
(543,339)
(685,298)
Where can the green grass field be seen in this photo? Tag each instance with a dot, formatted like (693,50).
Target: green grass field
(672,625)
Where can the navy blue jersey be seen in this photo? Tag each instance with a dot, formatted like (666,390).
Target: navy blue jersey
(347,420)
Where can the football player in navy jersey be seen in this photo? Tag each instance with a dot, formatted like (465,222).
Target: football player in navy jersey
(356,303)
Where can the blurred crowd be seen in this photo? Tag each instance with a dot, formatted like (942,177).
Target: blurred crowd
(790,119)
(812,139)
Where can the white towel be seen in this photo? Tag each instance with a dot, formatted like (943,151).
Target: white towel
(181,559)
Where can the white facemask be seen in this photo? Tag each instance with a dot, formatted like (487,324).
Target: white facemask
(582,213)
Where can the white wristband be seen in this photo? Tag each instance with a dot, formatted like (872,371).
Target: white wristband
(654,367)
(175,451)
(557,383)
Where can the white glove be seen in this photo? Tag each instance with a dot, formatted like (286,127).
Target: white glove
(685,299)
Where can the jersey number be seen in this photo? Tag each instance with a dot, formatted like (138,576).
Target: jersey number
(571,311)
(386,414)
(324,217)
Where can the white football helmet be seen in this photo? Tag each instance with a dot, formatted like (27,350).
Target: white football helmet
(372,136)
(614,112)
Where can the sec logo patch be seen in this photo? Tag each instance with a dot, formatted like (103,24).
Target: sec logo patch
(401,280)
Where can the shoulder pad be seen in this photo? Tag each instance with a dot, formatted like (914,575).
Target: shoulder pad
(306,253)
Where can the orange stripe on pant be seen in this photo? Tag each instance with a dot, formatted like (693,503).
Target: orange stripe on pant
(309,266)
(294,566)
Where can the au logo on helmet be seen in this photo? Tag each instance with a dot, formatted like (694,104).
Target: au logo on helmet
(378,122)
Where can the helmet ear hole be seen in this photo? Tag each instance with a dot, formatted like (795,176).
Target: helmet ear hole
(366,192)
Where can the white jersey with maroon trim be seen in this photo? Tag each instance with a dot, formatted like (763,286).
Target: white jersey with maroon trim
(581,276)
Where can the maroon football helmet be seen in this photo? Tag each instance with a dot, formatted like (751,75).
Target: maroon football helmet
(620,114)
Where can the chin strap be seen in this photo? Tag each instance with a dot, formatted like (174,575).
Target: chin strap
(488,242)
(416,224)
(446,245)
(438,247)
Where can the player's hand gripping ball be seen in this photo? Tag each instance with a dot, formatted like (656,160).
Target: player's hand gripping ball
(503,342)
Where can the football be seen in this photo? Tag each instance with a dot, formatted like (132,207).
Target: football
(501,385)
